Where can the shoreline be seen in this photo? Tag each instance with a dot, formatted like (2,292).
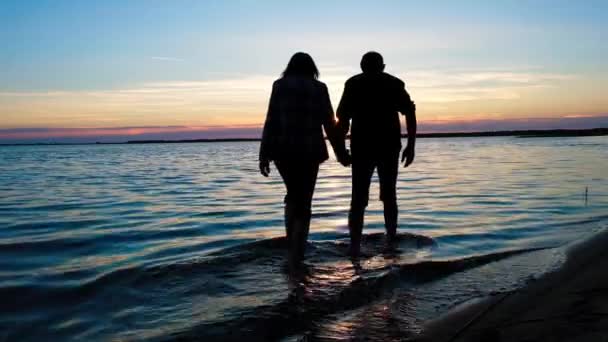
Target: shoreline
(549,133)
(568,304)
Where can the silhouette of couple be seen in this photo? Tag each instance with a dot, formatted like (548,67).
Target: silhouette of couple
(300,109)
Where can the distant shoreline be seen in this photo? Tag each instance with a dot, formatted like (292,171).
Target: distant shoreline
(550,133)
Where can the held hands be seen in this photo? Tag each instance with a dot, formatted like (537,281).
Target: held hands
(344,158)
(408,155)
(264,167)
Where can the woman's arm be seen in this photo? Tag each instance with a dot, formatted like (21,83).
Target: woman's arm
(268,133)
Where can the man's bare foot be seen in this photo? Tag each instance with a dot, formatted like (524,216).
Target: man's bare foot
(354,251)
(391,236)
(391,240)
(294,263)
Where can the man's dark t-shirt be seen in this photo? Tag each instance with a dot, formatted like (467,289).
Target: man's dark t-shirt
(372,101)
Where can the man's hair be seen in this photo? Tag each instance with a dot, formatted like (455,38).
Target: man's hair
(372,62)
(301,64)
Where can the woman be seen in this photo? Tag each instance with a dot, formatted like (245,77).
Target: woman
(293,138)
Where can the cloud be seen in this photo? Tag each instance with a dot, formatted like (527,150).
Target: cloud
(122,134)
(564,122)
(240,99)
(167,59)
(209,102)
(471,85)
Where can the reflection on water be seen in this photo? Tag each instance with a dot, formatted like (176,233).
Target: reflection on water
(147,241)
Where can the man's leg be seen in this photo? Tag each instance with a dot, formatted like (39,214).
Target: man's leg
(388,167)
(362,171)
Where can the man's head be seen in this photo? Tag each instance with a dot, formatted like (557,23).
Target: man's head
(372,62)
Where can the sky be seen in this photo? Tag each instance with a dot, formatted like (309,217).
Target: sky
(116,70)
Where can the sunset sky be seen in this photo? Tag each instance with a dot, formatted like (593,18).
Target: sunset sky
(119,70)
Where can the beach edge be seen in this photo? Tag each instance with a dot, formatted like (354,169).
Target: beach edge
(567,304)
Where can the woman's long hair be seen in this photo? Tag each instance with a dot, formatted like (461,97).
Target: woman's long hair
(301,64)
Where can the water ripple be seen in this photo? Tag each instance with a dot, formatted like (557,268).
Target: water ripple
(101,242)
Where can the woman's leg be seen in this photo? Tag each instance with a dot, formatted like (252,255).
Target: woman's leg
(289,211)
(300,179)
(307,180)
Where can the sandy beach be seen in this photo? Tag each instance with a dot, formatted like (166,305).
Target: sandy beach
(569,304)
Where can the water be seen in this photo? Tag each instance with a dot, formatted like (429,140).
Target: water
(156,242)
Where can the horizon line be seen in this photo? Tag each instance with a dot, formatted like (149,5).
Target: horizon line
(531,133)
(254,130)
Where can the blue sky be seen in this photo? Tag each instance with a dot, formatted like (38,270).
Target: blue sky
(86,64)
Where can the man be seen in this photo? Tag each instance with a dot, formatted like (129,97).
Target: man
(372,101)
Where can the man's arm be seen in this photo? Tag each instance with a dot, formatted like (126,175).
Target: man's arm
(344,112)
(407,107)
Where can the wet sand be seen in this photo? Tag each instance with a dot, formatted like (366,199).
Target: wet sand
(569,304)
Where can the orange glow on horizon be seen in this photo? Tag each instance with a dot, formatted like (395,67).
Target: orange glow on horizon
(455,124)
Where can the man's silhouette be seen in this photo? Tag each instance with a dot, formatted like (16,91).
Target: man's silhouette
(372,101)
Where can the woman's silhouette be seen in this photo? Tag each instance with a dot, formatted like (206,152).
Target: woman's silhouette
(293,138)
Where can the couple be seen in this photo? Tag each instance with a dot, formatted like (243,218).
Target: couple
(293,138)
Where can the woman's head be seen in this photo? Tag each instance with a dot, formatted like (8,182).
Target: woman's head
(301,64)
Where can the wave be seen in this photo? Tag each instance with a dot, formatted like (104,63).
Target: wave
(329,284)
(243,292)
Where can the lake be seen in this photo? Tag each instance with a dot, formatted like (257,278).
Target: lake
(168,241)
